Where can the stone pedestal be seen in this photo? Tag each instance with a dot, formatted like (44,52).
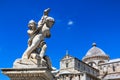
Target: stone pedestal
(41,73)
(30,69)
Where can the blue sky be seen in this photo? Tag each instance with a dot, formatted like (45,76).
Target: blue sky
(78,24)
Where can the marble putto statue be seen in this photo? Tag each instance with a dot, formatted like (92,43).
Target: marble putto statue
(35,51)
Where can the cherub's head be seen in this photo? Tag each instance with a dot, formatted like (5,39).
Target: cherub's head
(32,25)
(50,21)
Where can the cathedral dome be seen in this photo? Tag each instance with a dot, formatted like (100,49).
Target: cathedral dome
(95,52)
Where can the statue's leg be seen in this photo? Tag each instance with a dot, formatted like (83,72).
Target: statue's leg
(35,43)
(42,52)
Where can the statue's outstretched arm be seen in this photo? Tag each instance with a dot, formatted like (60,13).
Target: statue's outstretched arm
(46,11)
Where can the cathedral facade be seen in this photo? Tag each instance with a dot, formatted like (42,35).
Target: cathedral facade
(95,65)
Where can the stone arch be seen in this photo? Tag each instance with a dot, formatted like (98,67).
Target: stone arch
(100,62)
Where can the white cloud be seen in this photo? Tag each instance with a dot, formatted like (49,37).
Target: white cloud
(70,22)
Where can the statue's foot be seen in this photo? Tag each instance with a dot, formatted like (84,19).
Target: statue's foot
(24,56)
(33,55)
(43,60)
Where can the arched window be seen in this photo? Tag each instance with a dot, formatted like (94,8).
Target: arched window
(113,68)
(66,65)
(92,63)
(78,65)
